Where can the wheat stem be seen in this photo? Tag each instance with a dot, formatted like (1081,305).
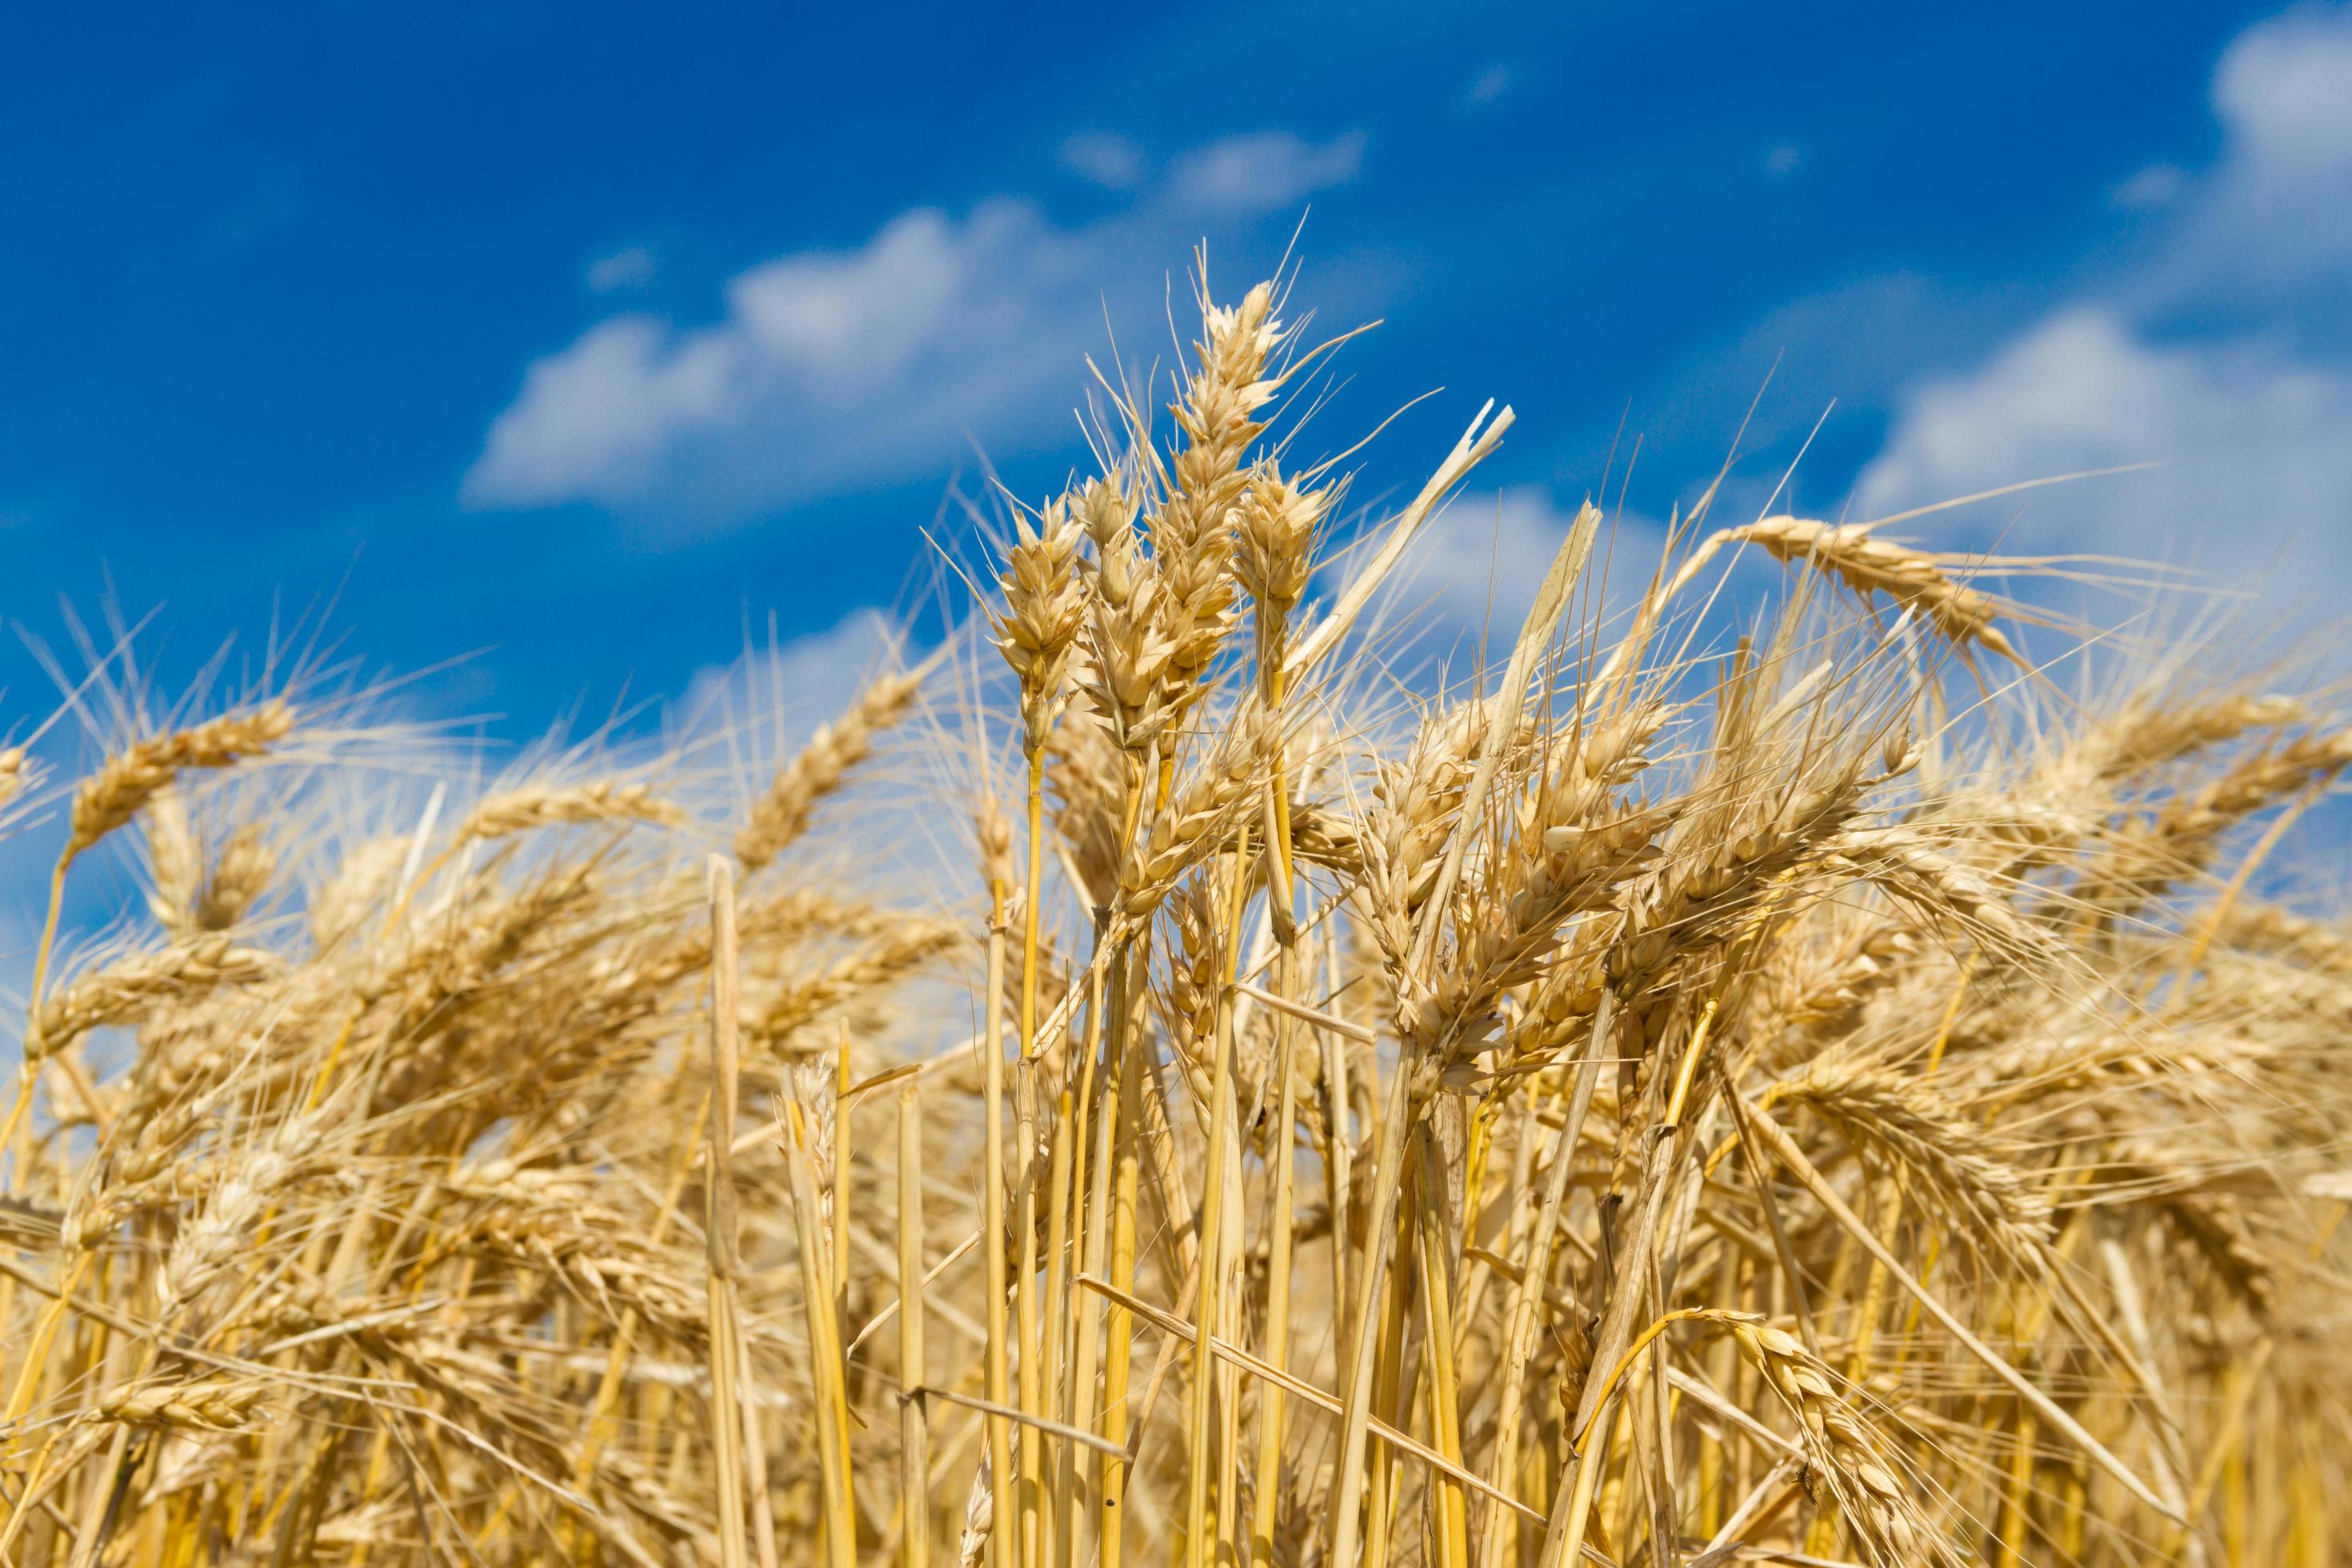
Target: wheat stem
(998,1240)
(914,1436)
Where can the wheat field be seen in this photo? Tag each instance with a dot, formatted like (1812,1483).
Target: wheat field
(1697,1082)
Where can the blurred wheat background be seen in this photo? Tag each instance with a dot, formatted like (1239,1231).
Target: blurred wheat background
(1705,1081)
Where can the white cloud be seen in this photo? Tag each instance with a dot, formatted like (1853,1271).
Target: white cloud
(834,369)
(2281,90)
(629,269)
(2274,217)
(1781,162)
(592,419)
(828,369)
(2213,358)
(1110,159)
(2256,447)
(1266,169)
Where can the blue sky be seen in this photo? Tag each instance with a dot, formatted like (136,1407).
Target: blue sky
(583,336)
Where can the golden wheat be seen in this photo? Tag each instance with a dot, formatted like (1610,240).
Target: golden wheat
(1674,1097)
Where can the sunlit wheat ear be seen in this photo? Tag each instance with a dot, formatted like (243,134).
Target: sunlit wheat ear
(978,1517)
(2150,734)
(1910,1133)
(1044,602)
(1106,508)
(1575,842)
(1275,531)
(174,861)
(1846,1458)
(1129,671)
(1870,565)
(2315,945)
(781,814)
(125,990)
(361,879)
(241,873)
(1192,526)
(552,805)
(132,778)
(205,1405)
(2149,857)
(800,1003)
(206,1249)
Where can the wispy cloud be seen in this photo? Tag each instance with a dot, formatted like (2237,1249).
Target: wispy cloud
(1265,170)
(2155,187)
(1110,159)
(834,369)
(1490,84)
(629,269)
